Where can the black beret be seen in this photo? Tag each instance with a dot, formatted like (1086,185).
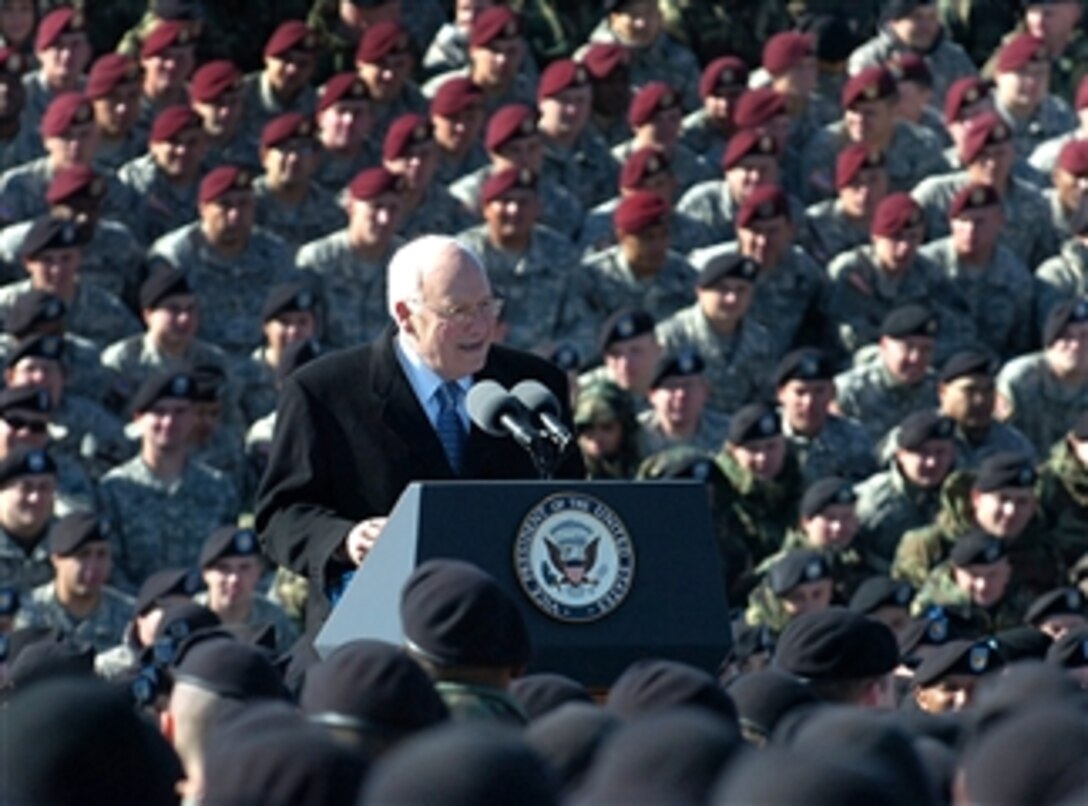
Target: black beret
(50,232)
(162,282)
(824,493)
(727,265)
(162,385)
(25,462)
(1058,602)
(1067,313)
(569,737)
(976,547)
(1071,650)
(1005,469)
(1022,643)
(936,626)
(973,658)
(836,644)
(165,584)
(55,657)
(455,614)
(653,685)
(764,697)
(295,355)
(33,309)
(179,622)
(543,692)
(753,422)
(72,532)
(229,541)
(372,687)
(209,383)
(681,364)
(805,364)
(682,462)
(9,600)
(881,591)
(286,297)
(230,669)
(967,362)
(26,398)
(42,345)
(623,325)
(566,356)
(919,427)
(795,568)
(907,321)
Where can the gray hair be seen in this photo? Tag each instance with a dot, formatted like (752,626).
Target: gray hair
(412,262)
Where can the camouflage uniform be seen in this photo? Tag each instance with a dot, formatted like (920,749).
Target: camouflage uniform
(1051,118)
(438,212)
(611,285)
(889,505)
(702,137)
(940,589)
(850,566)
(664,60)
(947,61)
(1065,222)
(1063,501)
(475,703)
(709,436)
(93,313)
(543,288)
(352,290)
(410,101)
(559,207)
(135,358)
(84,372)
(449,171)
(1042,408)
(998,296)
(599,230)
(842,448)
(27,569)
(23,189)
(713,27)
(25,146)
(316,216)
(762,512)
(225,452)
(335,174)
(260,106)
(92,437)
(737,364)
(870,395)
(103,628)
(1061,278)
(157,524)
(712,205)
(229,319)
(112,154)
(163,206)
(587,168)
(262,612)
(1045,156)
(827,232)
(999,438)
(256,382)
(686,167)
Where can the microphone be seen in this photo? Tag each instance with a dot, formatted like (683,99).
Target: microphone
(500,414)
(540,401)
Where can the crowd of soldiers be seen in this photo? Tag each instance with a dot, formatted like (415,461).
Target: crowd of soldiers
(828,259)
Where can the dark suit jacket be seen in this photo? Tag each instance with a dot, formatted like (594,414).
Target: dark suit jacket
(351,435)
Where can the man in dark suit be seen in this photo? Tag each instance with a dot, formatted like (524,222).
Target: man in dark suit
(356,427)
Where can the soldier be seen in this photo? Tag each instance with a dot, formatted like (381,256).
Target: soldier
(608,66)
(216,95)
(946,682)
(78,603)
(885,600)
(349,266)
(900,380)
(533,269)
(967,98)
(631,352)
(222,251)
(992,283)
(678,413)
(344,124)
(161,502)
(384,61)
(711,27)
(113,88)
(1061,492)
(457,115)
(736,349)
(164,182)
(908,494)
(288,203)
(825,443)
(834,226)
(231,565)
(218,436)
(167,59)
(1057,612)
(706,131)
(914,25)
(1060,24)
(789,60)
(914,88)
(448,51)
(1043,393)
(63,51)
(27,490)
(795,582)
(18,144)
(869,101)
(604,418)
(1064,276)
(1045,156)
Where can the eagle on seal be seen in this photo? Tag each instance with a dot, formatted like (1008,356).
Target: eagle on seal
(575,566)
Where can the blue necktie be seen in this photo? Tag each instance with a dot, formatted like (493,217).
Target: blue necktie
(450,429)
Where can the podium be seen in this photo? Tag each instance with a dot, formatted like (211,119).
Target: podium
(604,573)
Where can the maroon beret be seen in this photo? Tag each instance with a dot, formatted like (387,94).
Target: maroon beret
(512,178)
(746,142)
(603,58)
(1082,94)
(509,123)
(108,73)
(405,131)
(494,23)
(764,203)
(894,214)
(871,84)
(852,160)
(55,23)
(291,35)
(172,121)
(12,62)
(380,40)
(964,92)
(373,182)
(75,180)
(455,96)
(1074,158)
(286,127)
(973,197)
(561,75)
(64,111)
(758,107)
(649,100)
(786,50)
(1020,51)
(341,87)
(223,179)
(639,211)
(641,165)
(726,72)
(213,80)
(165,35)
(983,130)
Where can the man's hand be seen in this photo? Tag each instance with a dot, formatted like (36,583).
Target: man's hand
(362,537)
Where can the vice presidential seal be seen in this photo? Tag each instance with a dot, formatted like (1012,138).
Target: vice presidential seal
(574,558)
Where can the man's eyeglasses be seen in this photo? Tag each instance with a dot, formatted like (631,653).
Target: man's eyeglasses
(464,315)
